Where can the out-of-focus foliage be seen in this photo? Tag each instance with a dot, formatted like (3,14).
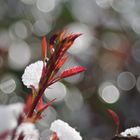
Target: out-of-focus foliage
(109,48)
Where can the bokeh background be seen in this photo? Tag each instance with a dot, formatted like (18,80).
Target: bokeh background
(109,48)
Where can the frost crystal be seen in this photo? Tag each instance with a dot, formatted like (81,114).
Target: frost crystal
(64,131)
(32,74)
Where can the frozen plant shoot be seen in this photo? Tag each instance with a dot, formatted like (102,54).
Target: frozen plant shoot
(42,74)
(39,76)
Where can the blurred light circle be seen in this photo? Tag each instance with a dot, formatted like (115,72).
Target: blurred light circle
(8,86)
(4,39)
(49,17)
(136,51)
(15,99)
(74,99)
(111,41)
(36,49)
(41,28)
(29,2)
(3,98)
(83,11)
(57,90)
(135,24)
(21,30)
(49,115)
(82,43)
(103,3)
(8,83)
(138,84)
(19,55)
(102,86)
(45,5)
(123,6)
(110,94)
(126,81)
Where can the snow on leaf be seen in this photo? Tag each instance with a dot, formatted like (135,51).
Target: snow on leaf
(64,131)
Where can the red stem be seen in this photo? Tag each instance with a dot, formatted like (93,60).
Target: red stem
(35,102)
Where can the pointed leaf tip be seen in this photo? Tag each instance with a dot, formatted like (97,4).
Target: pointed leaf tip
(46,106)
(116,119)
(72,37)
(44,48)
(72,71)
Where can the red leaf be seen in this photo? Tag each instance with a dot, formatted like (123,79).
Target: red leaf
(40,106)
(62,35)
(38,114)
(46,106)
(116,119)
(72,37)
(72,71)
(61,62)
(44,48)
(68,41)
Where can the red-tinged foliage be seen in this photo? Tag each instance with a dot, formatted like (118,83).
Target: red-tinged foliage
(72,37)
(54,136)
(40,106)
(53,38)
(61,62)
(28,104)
(62,36)
(38,116)
(47,105)
(72,71)
(58,45)
(68,41)
(116,120)
(44,48)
